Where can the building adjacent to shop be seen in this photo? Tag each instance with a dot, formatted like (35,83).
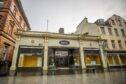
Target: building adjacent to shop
(12,19)
(113,31)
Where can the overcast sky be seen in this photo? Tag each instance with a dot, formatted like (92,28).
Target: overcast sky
(69,13)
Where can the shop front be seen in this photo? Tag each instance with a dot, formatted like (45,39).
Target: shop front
(30,58)
(123,59)
(37,51)
(63,58)
(116,59)
(92,58)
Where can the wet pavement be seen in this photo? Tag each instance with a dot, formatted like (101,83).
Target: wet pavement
(114,77)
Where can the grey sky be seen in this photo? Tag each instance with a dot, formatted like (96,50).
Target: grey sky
(69,13)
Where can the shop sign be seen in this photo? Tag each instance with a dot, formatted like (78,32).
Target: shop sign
(61,53)
(64,42)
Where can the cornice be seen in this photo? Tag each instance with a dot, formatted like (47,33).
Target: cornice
(115,50)
(7,36)
(58,36)
(19,4)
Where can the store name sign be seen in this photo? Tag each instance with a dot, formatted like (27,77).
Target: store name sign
(63,42)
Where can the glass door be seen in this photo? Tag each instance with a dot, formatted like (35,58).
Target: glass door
(61,58)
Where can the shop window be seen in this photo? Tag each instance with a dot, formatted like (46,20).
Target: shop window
(116,60)
(119,43)
(123,33)
(102,30)
(113,59)
(11,26)
(116,32)
(109,58)
(30,57)
(110,31)
(113,43)
(51,60)
(92,60)
(59,57)
(123,58)
(1,3)
(29,61)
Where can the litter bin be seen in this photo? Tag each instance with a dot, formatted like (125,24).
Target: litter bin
(4,67)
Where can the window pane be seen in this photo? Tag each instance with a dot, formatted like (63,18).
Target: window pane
(113,43)
(110,31)
(105,44)
(11,26)
(102,30)
(120,24)
(119,43)
(113,22)
(123,33)
(116,32)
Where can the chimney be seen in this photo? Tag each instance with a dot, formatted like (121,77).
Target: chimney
(85,20)
(61,30)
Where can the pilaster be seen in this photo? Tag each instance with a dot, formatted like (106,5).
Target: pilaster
(82,59)
(103,56)
(45,67)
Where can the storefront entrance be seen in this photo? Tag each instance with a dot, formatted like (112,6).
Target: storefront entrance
(63,58)
(61,61)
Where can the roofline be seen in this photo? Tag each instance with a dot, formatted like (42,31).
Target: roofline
(57,35)
(19,4)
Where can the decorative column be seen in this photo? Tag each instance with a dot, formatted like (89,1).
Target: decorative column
(15,54)
(113,60)
(120,62)
(45,67)
(103,56)
(83,66)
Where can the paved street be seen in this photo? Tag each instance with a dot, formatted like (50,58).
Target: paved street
(116,77)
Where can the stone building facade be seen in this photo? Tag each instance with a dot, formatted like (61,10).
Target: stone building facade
(113,31)
(53,51)
(101,44)
(12,19)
